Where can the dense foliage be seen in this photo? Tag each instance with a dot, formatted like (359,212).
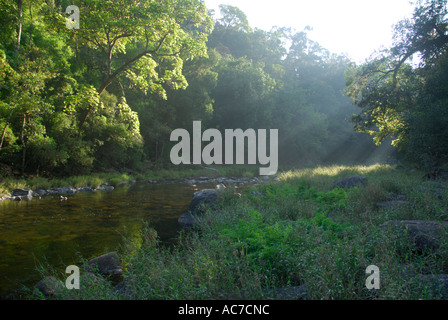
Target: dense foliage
(403,90)
(106,96)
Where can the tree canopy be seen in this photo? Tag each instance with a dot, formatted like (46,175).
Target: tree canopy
(106,95)
(402,91)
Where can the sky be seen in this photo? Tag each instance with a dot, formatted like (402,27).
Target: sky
(353,27)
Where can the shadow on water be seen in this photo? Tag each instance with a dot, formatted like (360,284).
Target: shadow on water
(86,225)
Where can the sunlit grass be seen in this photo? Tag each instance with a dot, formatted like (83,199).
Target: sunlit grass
(333,171)
(8,184)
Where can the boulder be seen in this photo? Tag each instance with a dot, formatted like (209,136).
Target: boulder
(64,190)
(84,189)
(221,186)
(49,286)
(188,220)
(69,190)
(53,191)
(39,192)
(107,265)
(202,199)
(424,234)
(105,188)
(24,194)
(190,182)
(350,182)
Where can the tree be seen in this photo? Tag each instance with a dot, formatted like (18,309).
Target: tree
(145,41)
(242,95)
(233,18)
(398,99)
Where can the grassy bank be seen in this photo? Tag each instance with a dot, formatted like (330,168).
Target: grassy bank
(296,232)
(114,178)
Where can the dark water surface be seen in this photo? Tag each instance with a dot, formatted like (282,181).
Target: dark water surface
(88,224)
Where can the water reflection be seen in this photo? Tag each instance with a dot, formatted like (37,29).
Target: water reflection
(85,225)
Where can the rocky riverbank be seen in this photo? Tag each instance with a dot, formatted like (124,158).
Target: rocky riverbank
(29,194)
(24,194)
(423,236)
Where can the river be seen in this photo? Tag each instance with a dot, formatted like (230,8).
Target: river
(85,225)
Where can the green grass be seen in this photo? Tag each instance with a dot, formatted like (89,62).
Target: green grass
(297,231)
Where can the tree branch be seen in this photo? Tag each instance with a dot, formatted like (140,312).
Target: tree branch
(110,78)
(127,64)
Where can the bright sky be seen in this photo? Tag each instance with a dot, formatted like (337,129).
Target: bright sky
(354,27)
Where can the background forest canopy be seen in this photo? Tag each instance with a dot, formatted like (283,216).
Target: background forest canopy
(106,96)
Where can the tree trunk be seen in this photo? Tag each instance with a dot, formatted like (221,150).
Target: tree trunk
(31,27)
(77,51)
(4,129)
(3,136)
(22,137)
(19,27)
(112,76)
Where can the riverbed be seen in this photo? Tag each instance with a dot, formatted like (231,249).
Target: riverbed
(86,225)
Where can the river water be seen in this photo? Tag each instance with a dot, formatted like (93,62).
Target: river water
(85,225)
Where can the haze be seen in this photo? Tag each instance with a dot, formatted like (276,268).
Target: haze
(356,28)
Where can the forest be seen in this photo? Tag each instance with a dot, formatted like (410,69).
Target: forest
(91,92)
(106,96)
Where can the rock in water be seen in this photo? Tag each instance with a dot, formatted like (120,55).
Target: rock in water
(188,220)
(22,193)
(202,199)
(104,187)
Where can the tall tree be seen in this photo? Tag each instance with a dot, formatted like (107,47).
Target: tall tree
(393,93)
(19,25)
(145,41)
